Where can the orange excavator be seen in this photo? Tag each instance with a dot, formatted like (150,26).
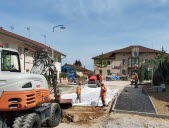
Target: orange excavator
(25,99)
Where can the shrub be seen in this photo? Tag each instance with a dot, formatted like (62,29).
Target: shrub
(62,75)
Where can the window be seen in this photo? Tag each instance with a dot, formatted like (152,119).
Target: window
(146,54)
(26,52)
(108,72)
(113,55)
(124,72)
(135,52)
(123,54)
(59,59)
(10,61)
(123,61)
(136,61)
(108,62)
(146,60)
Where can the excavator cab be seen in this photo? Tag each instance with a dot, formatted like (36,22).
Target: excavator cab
(9,60)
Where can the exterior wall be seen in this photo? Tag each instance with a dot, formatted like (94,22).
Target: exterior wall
(19,45)
(124,66)
(58,67)
(79,73)
(28,63)
(116,65)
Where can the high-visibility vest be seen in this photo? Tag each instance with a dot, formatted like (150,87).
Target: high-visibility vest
(78,90)
(103,91)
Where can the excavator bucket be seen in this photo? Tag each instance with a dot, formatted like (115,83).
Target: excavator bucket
(65,103)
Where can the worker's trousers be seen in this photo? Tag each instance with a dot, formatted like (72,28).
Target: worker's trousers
(136,83)
(103,98)
(78,98)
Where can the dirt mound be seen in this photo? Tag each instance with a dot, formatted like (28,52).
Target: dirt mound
(82,114)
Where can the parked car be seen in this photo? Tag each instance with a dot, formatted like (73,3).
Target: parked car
(112,76)
(93,81)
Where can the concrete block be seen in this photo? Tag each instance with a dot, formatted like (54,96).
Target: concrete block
(157,89)
(163,87)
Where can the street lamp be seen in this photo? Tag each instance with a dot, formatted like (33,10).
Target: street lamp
(61,27)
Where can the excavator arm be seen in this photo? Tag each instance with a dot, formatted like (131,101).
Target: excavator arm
(43,64)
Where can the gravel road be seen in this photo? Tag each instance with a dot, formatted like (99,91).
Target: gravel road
(120,120)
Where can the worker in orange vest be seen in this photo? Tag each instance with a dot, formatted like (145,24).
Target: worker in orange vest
(136,79)
(78,92)
(103,93)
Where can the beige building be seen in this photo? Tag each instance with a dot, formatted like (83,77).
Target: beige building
(123,61)
(26,47)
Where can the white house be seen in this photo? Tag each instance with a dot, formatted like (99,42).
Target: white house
(26,47)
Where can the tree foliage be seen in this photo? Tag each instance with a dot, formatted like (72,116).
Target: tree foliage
(101,62)
(143,72)
(160,69)
(162,73)
(62,75)
(161,54)
(78,63)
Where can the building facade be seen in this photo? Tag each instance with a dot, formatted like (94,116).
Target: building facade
(26,47)
(81,71)
(124,61)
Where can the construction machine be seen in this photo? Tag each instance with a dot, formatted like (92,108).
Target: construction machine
(25,100)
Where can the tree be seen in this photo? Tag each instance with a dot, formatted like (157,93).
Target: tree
(62,75)
(101,62)
(161,54)
(78,63)
(160,70)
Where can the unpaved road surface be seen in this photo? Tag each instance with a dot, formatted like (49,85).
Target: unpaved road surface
(112,120)
(119,120)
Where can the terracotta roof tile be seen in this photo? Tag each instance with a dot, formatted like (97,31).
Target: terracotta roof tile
(127,50)
(21,38)
(82,69)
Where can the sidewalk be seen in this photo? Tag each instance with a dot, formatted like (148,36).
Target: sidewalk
(134,99)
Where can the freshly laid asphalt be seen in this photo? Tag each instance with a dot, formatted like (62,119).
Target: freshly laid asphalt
(134,99)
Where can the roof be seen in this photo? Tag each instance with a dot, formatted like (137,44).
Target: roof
(80,68)
(24,39)
(128,50)
(8,49)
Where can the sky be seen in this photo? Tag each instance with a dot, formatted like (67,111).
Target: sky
(93,27)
